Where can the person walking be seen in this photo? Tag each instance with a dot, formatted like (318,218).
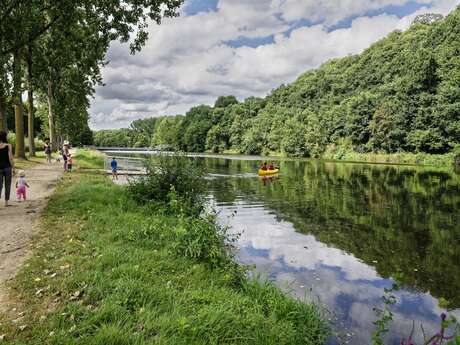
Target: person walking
(6,166)
(47,148)
(65,154)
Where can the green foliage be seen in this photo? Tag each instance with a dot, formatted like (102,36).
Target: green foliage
(385,316)
(167,133)
(194,128)
(39,144)
(114,138)
(204,240)
(170,180)
(225,101)
(62,45)
(88,159)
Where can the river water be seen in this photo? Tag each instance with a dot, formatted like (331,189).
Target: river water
(338,234)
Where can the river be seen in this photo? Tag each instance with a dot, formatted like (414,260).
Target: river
(338,234)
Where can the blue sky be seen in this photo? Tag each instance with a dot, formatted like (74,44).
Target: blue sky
(193,7)
(242,48)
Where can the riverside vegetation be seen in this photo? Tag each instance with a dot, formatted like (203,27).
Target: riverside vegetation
(116,265)
(398,102)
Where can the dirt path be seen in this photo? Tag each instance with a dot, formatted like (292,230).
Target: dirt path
(18,221)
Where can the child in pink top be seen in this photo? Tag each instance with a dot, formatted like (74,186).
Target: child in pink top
(21,185)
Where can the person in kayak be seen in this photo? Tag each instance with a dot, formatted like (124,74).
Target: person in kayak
(264,166)
(271,166)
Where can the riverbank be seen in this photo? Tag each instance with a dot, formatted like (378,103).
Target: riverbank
(446,160)
(404,158)
(106,270)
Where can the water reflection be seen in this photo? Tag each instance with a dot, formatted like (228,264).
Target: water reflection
(345,231)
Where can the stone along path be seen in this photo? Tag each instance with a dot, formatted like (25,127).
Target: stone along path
(18,222)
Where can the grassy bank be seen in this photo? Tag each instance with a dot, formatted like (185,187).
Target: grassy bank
(109,271)
(444,160)
(89,159)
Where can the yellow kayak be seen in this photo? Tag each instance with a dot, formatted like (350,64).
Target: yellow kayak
(268,172)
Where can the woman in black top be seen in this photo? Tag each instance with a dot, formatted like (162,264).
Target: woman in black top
(6,166)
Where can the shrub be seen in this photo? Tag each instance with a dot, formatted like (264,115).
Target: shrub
(203,239)
(456,155)
(39,144)
(171,178)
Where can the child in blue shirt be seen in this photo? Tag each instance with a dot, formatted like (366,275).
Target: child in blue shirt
(114,165)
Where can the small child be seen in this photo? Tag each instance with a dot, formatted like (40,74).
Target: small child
(69,162)
(114,166)
(21,185)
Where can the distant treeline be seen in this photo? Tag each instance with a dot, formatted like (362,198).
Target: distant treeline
(400,95)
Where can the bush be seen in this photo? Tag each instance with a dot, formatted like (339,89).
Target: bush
(173,179)
(203,239)
(12,140)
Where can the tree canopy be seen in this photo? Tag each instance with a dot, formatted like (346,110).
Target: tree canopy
(62,45)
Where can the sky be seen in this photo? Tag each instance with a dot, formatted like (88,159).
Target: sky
(242,48)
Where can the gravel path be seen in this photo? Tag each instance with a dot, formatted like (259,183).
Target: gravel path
(18,222)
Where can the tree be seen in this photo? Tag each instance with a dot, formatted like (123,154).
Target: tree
(387,128)
(73,36)
(18,108)
(30,100)
(225,101)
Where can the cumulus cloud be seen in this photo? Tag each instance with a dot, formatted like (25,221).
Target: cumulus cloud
(189,60)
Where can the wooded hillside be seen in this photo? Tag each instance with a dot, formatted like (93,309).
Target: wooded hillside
(402,94)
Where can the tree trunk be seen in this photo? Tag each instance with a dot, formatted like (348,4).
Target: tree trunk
(51,117)
(3,82)
(30,100)
(18,111)
(20,151)
(3,122)
(31,134)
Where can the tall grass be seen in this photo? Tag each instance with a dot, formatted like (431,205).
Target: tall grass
(89,159)
(346,153)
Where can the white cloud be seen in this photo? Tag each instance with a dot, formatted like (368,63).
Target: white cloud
(332,11)
(187,60)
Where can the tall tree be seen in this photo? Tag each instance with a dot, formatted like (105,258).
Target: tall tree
(3,121)
(30,101)
(18,107)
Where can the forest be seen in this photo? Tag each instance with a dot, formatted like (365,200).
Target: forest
(52,51)
(402,94)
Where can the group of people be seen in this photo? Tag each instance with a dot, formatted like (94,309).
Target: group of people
(265,166)
(64,153)
(7,167)
(7,172)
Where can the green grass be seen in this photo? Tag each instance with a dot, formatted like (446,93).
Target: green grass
(444,160)
(106,271)
(30,161)
(88,159)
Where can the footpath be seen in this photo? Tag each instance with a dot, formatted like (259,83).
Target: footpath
(18,222)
